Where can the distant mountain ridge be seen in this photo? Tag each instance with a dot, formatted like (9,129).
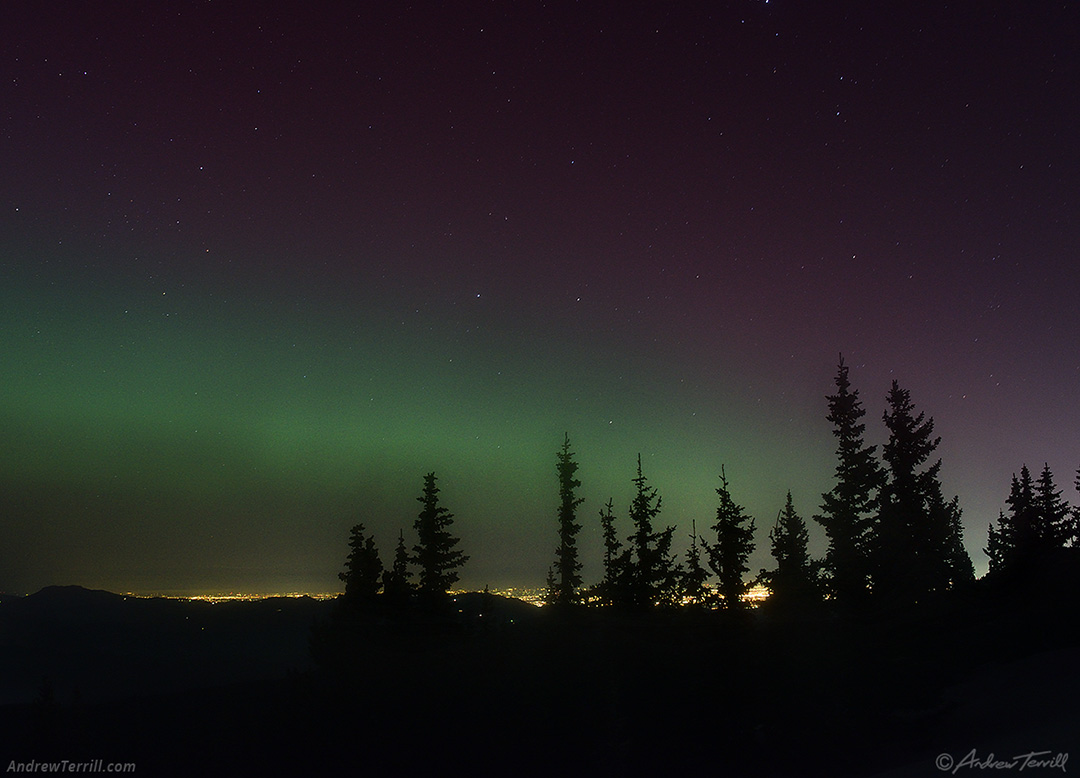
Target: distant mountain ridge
(94,644)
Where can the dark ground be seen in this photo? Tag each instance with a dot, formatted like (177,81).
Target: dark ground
(527,692)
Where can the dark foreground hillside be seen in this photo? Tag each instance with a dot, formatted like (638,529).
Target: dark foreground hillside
(92,645)
(605,694)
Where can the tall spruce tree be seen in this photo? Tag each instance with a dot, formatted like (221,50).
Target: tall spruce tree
(363,568)
(694,577)
(847,510)
(957,560)
(997,545)
(912,538)
(567,570)
(613,589)
(396,585)
(654,575)
(1022,526)
(729,556)
(551,587)
(794,580)
(1075,542)
(1037,523)
(952,566)
(1053,522)
(435,551)
(1015,536)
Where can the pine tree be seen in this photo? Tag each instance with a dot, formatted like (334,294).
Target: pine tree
(612,590)
(653,574)
(1053,523)
(396,585)
(363,568)
(997,545)
(958,561)
(847,511)
(435,553)
(1015,536)
(1075,518)
(612,546)
(694,589)
(794,580)
(1021,533)
(729,556)
(567,570)
(551,588)
(1037,523)
(912,539)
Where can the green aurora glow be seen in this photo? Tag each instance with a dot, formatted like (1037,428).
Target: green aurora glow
(262,269)
(183,436)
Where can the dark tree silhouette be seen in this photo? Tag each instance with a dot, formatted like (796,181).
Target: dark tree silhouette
(551,588)
(729,556)
(957,560)
(1037,523)
(654,574)
(612,590)
(1052,514)
(694,575)
(794,580)
(997,545)
(1014,535)
(567,572)
(1022,523)
(847,511)
(1075,518)
(363,568)
(435,551)
(397,587)
(912,539)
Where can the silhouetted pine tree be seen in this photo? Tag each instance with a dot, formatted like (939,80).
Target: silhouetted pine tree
(396,585)
(694,575)
(945,531)
(912,537)
(957,560)
(613,589)
(1053,522)
(729,556)
(1076,515)
(847,511)
(997,545)
(1021,527)
(794,580)
(653,574)
(1016,529)
(1038,521)
(435,554)
(567,567)
(363,568)
(551,588)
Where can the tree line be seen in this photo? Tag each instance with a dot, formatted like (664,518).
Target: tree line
(893,537)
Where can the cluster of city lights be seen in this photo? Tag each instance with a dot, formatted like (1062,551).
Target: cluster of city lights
(533,595)
(236,596)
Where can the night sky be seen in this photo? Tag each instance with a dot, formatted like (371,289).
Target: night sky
(263,265)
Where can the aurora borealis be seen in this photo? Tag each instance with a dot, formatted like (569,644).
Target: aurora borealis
(262,266)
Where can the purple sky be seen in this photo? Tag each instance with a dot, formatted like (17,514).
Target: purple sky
(265,264)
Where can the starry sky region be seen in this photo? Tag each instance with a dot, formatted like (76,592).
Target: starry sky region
(263,265)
